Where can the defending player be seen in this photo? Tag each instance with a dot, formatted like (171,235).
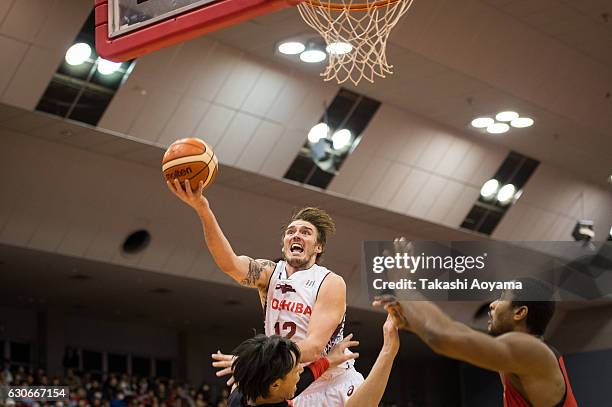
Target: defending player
(532,373)
(302,300)
(285,378)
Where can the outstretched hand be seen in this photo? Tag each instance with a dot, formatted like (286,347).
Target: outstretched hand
(395,310)
(391,341)
(195,199)
(224,362)
(403,245)
(337,355)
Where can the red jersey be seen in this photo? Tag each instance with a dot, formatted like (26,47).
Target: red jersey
(512,398)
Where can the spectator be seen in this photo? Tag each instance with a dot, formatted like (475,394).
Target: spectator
(114,391)
(206,392)
(118,401)
(3,389)
(71,380)
(5,372)
(110,388)
(94,391)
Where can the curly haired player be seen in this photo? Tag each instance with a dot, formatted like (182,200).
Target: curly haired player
(302,300)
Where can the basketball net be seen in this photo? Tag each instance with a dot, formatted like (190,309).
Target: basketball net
(365,25)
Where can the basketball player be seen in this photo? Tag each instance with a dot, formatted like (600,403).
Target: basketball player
(303,301)
(532,373)
(285,377)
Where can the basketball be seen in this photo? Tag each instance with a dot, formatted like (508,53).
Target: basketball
(190,159)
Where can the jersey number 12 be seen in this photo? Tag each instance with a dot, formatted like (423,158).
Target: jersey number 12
(287,326)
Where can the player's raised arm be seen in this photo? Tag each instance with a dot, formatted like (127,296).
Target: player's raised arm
(371,391)
(245,270)
(327,314)
(512,352)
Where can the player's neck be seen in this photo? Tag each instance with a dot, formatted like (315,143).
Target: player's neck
(291,269)
(266,400)
(523,329)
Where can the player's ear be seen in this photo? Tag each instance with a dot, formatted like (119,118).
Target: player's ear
(520,313)
(319,248)
(275,386)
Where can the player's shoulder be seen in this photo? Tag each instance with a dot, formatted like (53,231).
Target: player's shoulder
(520,338)
(333,281)
(527,345)
(267,264)
(259,273)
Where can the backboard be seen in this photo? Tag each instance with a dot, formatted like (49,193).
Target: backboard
(127,29)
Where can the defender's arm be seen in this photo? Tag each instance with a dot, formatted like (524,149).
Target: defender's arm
(512,352)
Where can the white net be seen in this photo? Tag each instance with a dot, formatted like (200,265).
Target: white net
(355,34)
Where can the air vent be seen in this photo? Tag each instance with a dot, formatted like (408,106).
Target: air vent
(80,277)
(83,84)
(332,139)
(136,242)
(160,291)
(499,193)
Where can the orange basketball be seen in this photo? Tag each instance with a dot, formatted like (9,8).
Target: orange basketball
(190,159)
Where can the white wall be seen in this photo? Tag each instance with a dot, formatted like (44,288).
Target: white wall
(552,201)
(414,166)
(34,36)
(256,115)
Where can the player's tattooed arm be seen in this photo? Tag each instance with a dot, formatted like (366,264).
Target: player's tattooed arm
(258,273)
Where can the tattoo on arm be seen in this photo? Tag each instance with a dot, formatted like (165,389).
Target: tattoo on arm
(256,268)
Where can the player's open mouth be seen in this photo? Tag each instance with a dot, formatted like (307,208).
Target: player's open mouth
(296,248)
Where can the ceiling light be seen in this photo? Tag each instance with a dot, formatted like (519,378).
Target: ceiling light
(505,194)
(521,122)
(489,189)
(317,132)
(312,56)
(291,47)
(482,122)
(518,194)
(339,48)
(506,116)
(498,128)
(108,67)
(341,138)
(584,230)
(78,53)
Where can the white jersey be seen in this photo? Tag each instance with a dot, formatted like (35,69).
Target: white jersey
(288,309)
(290,302)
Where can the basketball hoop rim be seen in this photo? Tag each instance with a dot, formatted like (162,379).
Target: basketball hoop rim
(351,8)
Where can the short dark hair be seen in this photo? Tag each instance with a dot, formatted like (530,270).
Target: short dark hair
(262,360)
(537,296)
(321,220)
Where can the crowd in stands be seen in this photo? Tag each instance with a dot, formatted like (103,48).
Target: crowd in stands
(112,390)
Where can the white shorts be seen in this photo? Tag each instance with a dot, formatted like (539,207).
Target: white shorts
(330,392)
